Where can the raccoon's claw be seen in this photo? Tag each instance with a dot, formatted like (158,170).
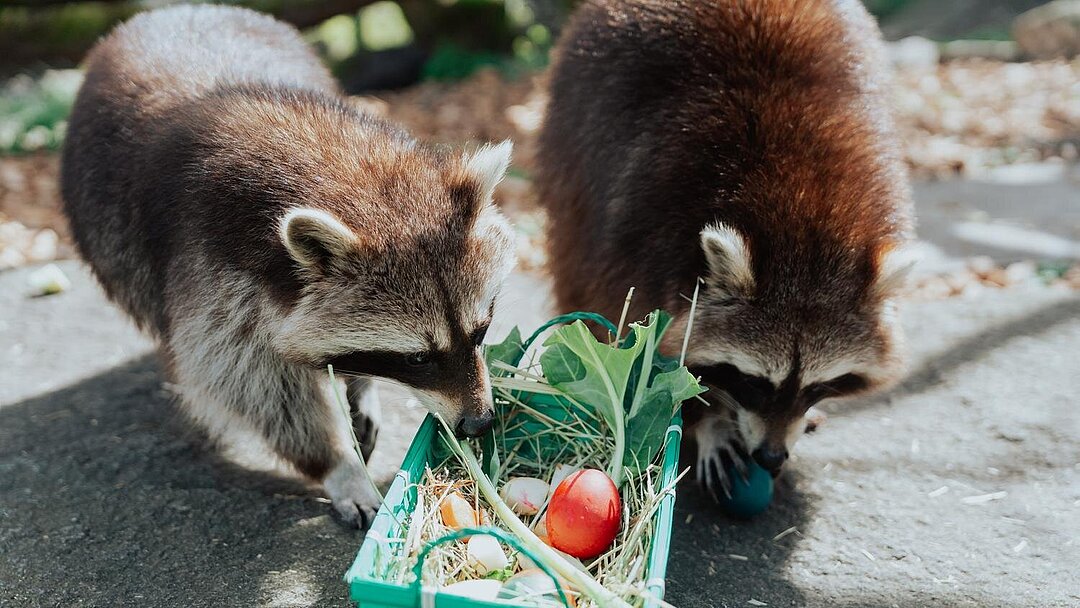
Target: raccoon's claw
(352,492)
(720,454)
(715,477)
(355,514)
(714,468)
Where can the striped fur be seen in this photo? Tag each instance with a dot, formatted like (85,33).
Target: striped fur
(260,227)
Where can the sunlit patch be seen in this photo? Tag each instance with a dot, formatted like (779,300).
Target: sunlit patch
(292,588)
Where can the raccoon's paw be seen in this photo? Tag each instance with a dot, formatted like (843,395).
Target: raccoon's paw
(366,414)
(353,493)
(720,452)
(367,431)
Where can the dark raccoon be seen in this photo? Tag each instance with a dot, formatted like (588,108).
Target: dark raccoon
(749,145)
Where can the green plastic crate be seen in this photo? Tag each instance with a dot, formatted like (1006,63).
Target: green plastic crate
(368,585)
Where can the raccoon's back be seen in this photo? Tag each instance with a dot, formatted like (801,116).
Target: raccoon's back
(123,157)
(666,115)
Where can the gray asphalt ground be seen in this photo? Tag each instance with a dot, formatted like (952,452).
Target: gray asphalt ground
(961,487)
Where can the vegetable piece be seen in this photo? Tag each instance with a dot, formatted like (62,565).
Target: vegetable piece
(456,512)
(551,558)
(562,471)
(486,554)
(525,495)
(527,562)
(484,590)
(531,583)
(501,575)
(634,389)
(540,529)
(584,514)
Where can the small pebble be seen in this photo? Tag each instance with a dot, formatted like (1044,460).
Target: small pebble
(47,280)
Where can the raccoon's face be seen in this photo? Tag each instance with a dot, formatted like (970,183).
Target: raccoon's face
(415,310)
(770,352)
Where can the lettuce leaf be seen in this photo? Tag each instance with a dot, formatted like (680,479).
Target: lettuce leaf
(633,388)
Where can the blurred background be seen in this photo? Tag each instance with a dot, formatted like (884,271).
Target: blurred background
(985,89)
(960,487)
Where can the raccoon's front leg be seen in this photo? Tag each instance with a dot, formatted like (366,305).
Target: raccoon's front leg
(303,423)
(232,386)
(720,450)
(366,413)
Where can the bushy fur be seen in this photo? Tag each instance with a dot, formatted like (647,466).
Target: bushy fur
(747,144)
(260,227)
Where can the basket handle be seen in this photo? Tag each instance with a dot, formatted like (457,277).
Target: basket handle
(563,320)
(489,531)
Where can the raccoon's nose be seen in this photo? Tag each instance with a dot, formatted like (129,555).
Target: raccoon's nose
(770,458)
(474,426)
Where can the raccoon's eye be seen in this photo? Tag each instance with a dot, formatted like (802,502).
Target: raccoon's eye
(837,387)
(758,383)
(750,391)
(418,359)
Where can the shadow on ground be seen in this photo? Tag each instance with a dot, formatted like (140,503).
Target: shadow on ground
(107,499)
(721,561)
(971,349)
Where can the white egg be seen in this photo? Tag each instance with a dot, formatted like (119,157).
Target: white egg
(525,495)
(486,554)
(483,590)
(562,471)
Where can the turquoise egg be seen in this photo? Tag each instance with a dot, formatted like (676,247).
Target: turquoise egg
(749,497)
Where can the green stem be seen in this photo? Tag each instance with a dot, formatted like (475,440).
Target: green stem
(615,470)
(344,407)
(646,371)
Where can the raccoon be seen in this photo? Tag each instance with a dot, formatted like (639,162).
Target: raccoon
(746,145)
(260,228)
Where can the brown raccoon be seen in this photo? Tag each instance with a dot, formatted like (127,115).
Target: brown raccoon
(747,144)
(260,227)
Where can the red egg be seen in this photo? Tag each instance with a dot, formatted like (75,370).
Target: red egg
(584,513)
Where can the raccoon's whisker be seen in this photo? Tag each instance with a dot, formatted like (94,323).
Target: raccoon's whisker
(723,398)
(345,372)
(727,400)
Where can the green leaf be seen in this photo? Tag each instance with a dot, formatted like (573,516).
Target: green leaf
(632,387)
(562,365)
(509,351)
(589,371)
(645,432)
(501,575)
(679,384)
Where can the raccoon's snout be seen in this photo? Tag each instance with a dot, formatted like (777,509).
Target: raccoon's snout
(771,458)
(474,426)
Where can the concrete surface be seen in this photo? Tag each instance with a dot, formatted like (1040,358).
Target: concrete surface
(961,487)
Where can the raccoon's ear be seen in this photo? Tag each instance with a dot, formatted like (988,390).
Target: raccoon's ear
(315,238)
(487,166)
(728,259)
(894,264)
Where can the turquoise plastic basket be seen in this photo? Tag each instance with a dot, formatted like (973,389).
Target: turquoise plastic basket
(367,578)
